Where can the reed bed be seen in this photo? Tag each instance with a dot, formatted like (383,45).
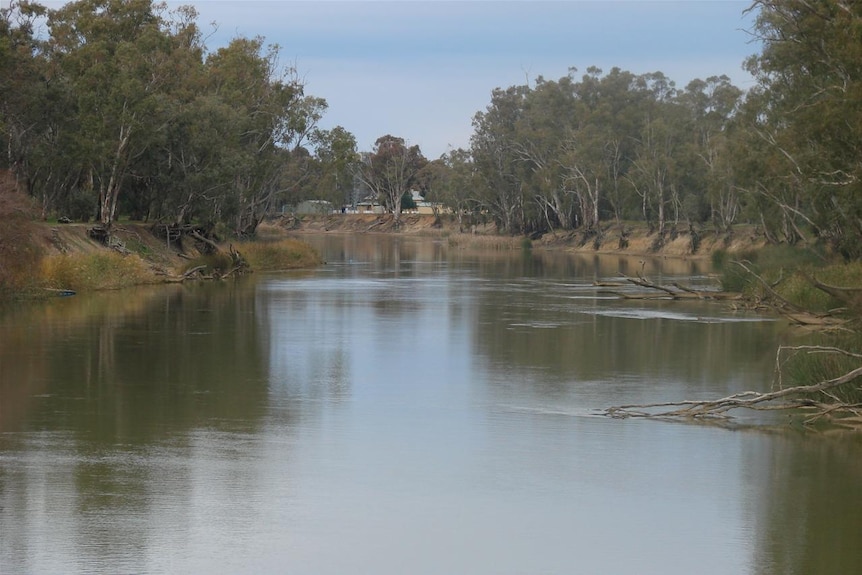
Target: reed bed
(482,242)
(95,271)
(285,254)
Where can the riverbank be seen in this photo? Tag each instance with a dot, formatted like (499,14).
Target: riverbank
(66,259)
(71,260)
(630,238)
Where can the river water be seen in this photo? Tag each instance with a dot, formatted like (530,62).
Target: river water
(407,409)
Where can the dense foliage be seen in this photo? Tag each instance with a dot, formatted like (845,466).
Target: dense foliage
(391,170)
(787,155)
(571,153)
(804,121)
(121,109)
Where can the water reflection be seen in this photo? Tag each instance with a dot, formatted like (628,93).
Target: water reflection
(414,408)
(809,501)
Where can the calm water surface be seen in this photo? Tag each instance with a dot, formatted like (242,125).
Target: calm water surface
(406,409)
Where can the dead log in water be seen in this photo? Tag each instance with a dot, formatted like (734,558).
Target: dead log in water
(673,291)
(817,401)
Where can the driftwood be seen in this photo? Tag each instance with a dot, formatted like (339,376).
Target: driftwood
(218,269)
(214,247)
(817,400)
(843,294)
(674,291)
(192,273)
(797,314)
(99,233)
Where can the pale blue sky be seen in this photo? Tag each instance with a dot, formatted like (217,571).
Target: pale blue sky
(421,70)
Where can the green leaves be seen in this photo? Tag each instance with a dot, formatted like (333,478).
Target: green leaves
(120,107)
(391,170)
(570,153)
(807,113)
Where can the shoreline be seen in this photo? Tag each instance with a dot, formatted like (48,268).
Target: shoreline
(73,261)
(638,241)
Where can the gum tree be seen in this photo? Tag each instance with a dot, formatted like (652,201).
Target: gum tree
(391,170)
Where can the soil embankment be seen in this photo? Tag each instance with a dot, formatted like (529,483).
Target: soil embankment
(172,259)
(134,237)
(629,239)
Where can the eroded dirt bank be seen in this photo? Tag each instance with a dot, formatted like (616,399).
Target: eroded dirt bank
(629,239)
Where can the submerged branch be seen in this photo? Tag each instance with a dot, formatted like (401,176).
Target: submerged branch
(674,291)
(793,312)
(817,399)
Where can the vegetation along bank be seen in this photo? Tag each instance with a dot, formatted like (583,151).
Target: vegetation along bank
(116,111)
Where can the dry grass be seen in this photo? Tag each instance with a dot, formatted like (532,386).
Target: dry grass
(482,242)
(286,254)
(20,249)
(95,271)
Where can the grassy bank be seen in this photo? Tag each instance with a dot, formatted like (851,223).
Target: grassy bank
(94,271)
(793,278)
(822,295)
(37,259)
(285,254)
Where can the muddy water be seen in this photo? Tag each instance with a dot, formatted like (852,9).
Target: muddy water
(405,409)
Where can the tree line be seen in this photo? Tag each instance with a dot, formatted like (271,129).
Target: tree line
(122,110)
(610,147)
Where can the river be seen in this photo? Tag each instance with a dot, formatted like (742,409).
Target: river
(407,408)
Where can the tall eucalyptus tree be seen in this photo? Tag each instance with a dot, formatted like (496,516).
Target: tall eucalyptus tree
(806,114)
(391,170)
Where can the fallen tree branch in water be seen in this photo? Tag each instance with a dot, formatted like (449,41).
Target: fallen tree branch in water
(818,400)
(193,273)
(793,312)
(674,291)
(841,293)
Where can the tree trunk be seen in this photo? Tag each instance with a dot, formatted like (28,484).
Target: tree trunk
(108,195)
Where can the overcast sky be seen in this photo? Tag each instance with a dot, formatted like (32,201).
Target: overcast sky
(421,70)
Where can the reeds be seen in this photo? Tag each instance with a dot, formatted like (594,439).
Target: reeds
(19,247)
(789,271)
(285,254)
(483,242)
(94,271)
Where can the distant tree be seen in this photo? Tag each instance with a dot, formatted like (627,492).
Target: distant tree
(450,180)
(407,202)
(335,149)
(390,170)
(500,189)
(121,110)
(713,104)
